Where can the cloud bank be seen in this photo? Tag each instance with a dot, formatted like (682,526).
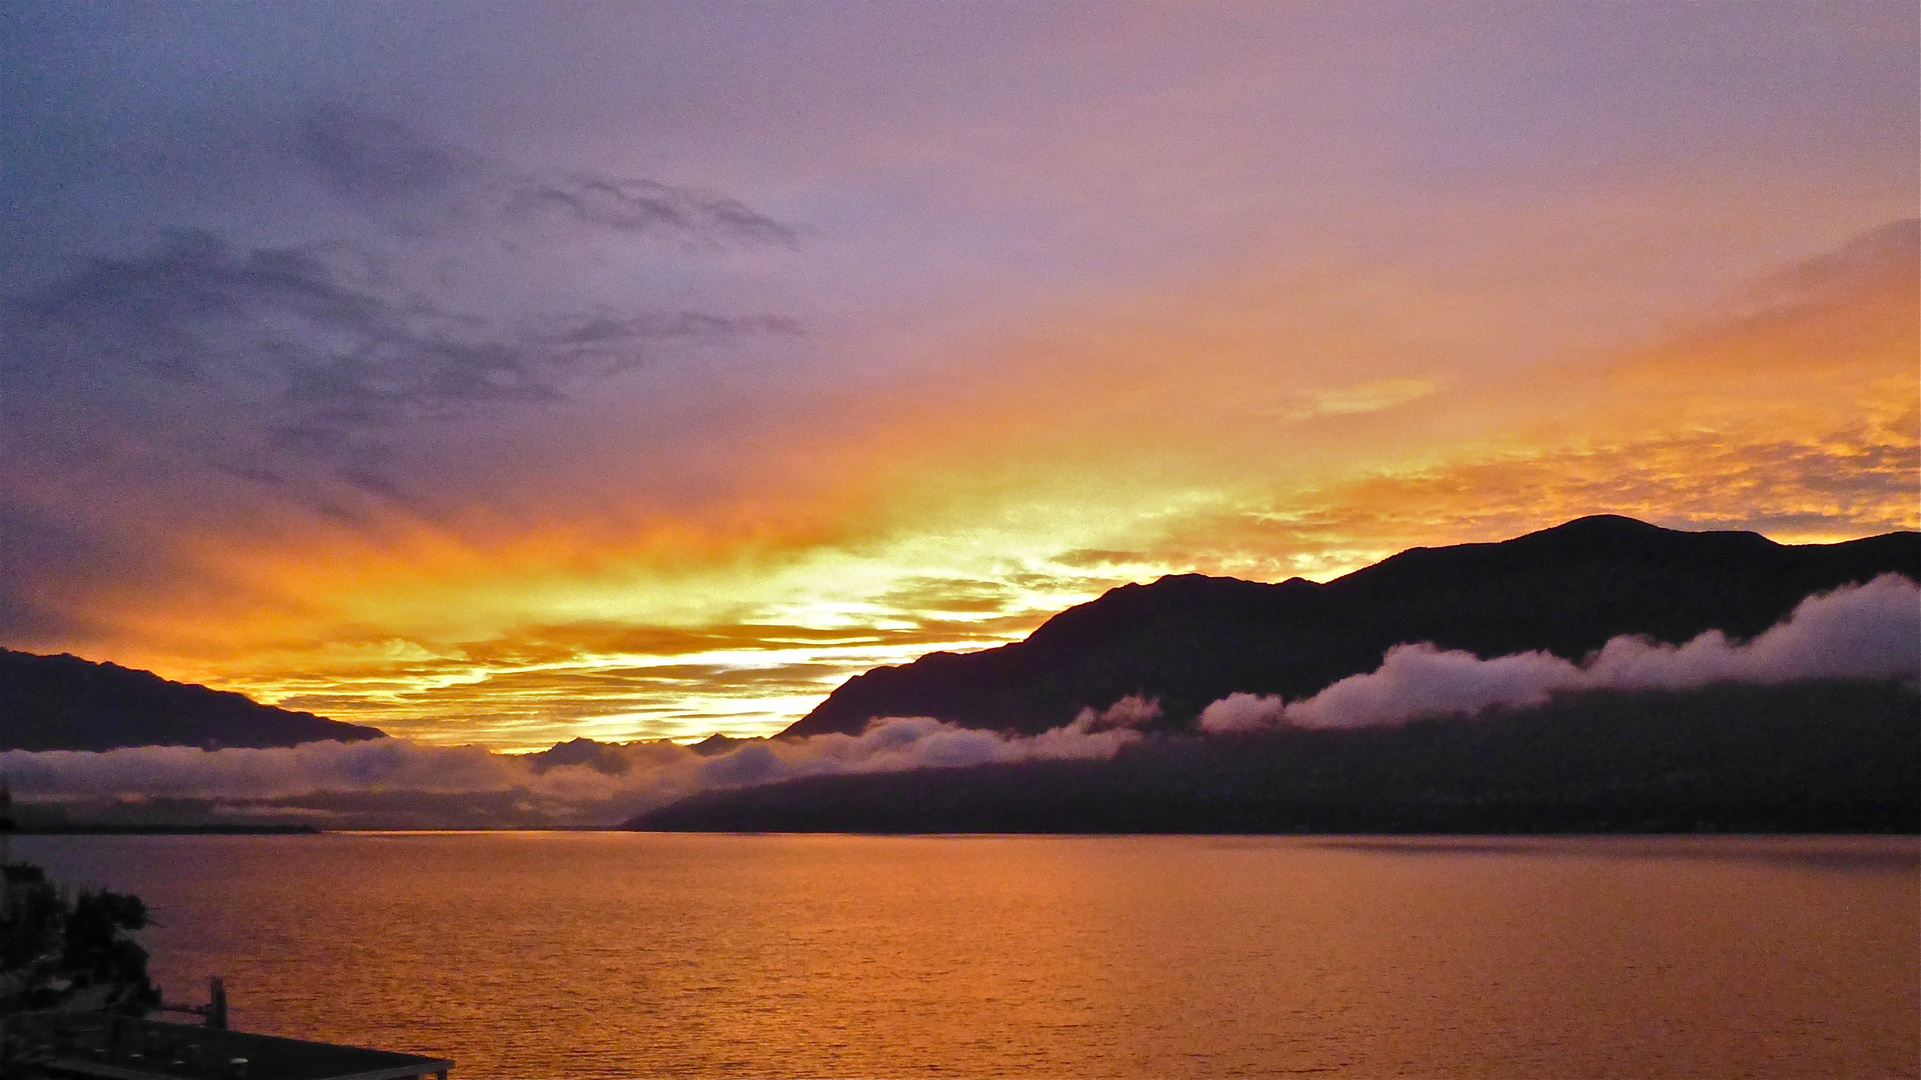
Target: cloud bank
(575,784)
(1870,631)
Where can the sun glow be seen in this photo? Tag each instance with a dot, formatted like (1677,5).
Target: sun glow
(475,629)
(621,422)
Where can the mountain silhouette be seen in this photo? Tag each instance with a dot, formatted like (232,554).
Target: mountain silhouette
(1189,640)
(1818,756)
(66,703)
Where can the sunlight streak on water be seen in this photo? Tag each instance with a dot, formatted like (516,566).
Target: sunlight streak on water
(598,954)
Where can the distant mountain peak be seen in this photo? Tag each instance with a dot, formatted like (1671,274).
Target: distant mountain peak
(1190,639)
(1604,525)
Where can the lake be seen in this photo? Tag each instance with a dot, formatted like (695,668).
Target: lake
(636,954)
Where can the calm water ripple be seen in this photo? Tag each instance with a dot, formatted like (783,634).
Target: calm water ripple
(618,955)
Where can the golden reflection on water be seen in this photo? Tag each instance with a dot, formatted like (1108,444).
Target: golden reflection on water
(582,954)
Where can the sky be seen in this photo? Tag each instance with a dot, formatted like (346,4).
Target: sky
(500,374)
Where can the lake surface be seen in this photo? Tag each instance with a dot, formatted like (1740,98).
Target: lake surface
(610,955)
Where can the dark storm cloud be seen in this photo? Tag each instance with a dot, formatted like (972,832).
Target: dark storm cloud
(315,348)
(311,347)
(380,162)
(198,309)
(371,155)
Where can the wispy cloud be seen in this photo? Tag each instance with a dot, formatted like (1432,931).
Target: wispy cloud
(1374,395)
(317,338)
(385,166)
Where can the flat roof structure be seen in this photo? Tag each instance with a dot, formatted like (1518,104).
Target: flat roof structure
(72,1045)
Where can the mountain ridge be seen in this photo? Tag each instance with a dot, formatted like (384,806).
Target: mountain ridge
(1821,756)
(64,702)
(1188,640)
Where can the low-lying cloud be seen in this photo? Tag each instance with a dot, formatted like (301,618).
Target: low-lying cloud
(400,782)
(1870,631)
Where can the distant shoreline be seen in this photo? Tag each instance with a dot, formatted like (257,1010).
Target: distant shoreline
(1388,834)
(167,830)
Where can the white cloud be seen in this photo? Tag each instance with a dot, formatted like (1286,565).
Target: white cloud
(619,782)
(1870,631)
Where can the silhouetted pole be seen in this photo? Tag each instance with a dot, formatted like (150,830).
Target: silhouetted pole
(217,1006)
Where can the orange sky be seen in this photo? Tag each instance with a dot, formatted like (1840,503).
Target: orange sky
(908,357)
(963,518)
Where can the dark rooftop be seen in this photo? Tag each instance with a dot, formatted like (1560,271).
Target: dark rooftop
(121,1048)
